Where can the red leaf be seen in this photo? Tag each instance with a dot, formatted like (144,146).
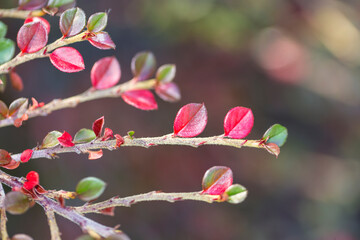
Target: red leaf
(35,104)
(16,81)
(168,92)
(105,73)
(98,126)
(31,4)
(108,211)
(67,59)
(142,99)
(65,140)
(32,179)
(32,37)
(18,122)
(238,122)
(119,140)
(95,154)
(190,120)
(41,20)
(216,180)
(12,165)
(107,134)
(102,41)
(26,155)
(5,157)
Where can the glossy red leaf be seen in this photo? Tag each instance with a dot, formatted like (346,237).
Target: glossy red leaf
(41,20)
(190,120)
(93,155)
(168,92)
(5,157)
(102,40)
(16,81)
(105,73)
(216,180)
(26,155)
(238,122)
(98,126)
(31,4)
(65,140)
(67,59)
(32,37)
(32,179)
(142,99)
(108,134)
(12,165)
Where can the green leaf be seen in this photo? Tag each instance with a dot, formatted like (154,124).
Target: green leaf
(58,3)
(3,84)
(90,188)
(84,135)
(166,73)
(16,203)
(51,139)
(4,111)
(236,193)
(3,29)
(7,50)
(131,134)
(143,65)
(276,134)
(18,106)
(72,22)
(97,22)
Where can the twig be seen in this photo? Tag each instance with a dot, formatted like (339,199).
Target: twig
(3,218)
(146,143)
(21,14)
(42,53)
(54,229)
(89,95)
(146,197)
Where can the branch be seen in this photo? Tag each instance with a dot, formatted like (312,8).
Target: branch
(89,95)
(3,218)
(85,223)
(42,53)
(54,229)
(21,14)
(146,197)
(146,143)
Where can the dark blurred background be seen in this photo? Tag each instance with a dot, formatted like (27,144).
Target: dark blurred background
(292,62)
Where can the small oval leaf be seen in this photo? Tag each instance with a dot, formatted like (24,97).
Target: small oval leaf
(65,140)
(97,22)
(216,180)
(98,126)
(168,92)
(236,193)
(276,134)
(41,20)
(72,22)
(103,41)
(190,120)
(16,81)
(18,106)
(4,111)
(143,65)
(59,3)
(166,73)
(84,135)
(26,155)
(51,139)
(90,188)
(238,122)
(16,203)
(7,50)
(32,37)
(93,155)
(105,73)
(5,157)
(67,59)
(31,4)
(142,99)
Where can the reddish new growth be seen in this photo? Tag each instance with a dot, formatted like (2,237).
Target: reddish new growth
(32,179)
(26,155)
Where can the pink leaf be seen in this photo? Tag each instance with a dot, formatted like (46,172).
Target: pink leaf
(119,140)
(238,122)
(102,41)
(32,37)
(93,155)
(67,59)
(108,133)
(12,165)
(31,4)
(98,126)
(16,81)
(26,155)
(65,140)
(41,20)
(105,73)
(168,92)
(142,99)
(216,180)
(190,120)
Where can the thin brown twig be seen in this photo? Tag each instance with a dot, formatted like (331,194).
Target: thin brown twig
(3,218)
(20,14)
(54,229)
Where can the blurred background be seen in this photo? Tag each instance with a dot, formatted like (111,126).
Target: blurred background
(293,62)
